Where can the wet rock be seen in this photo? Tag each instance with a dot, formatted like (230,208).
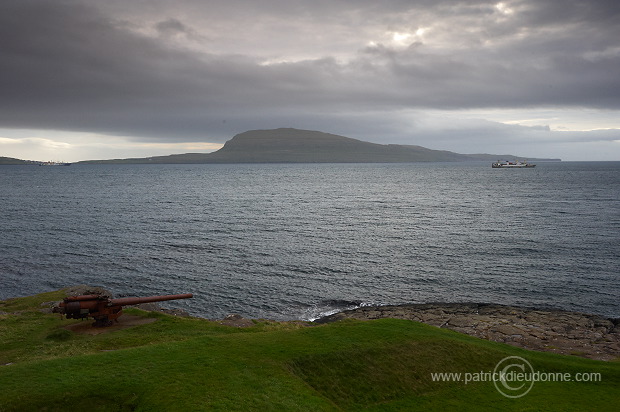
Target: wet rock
(507,330)
(460,322)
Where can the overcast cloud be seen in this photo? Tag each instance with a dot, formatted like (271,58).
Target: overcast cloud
(85,79)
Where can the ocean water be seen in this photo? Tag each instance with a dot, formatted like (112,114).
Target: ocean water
(285,241)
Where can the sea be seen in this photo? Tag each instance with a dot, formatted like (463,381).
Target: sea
(300,241)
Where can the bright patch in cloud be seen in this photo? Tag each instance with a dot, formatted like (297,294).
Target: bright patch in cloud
(400,37)
(503,8)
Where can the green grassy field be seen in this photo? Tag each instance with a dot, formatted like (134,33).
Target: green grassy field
(193,364)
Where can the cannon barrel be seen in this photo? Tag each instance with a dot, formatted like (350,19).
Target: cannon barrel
(103,309)
(148,299)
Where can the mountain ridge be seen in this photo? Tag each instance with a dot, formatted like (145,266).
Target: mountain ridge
(13,161)
(289,145)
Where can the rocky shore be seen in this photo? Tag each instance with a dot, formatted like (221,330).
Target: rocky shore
(568,333)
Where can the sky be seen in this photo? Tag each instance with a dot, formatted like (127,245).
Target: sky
(85,79)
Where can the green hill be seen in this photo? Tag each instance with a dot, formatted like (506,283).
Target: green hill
(181,364)
(12,161)
(307,146)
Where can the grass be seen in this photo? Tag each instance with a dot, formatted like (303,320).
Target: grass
(193,364)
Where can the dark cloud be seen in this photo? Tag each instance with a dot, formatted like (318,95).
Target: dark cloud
(68,65)
(171,27)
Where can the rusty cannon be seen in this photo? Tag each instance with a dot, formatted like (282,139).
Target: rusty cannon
(103,309)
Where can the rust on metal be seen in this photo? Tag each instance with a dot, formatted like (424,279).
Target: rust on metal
(103,309)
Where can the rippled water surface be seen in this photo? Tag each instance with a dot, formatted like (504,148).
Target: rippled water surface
(296,241)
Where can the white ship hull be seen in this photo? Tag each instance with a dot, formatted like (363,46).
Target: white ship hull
(511,165)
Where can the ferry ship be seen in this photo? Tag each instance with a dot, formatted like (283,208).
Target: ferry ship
(51,163)
(517,164)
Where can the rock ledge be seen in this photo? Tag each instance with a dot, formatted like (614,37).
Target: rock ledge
(568,333)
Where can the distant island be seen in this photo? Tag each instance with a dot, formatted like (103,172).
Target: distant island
(287,145)
(13,161)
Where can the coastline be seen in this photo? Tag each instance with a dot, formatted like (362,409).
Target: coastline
(557,331)
(548,330)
